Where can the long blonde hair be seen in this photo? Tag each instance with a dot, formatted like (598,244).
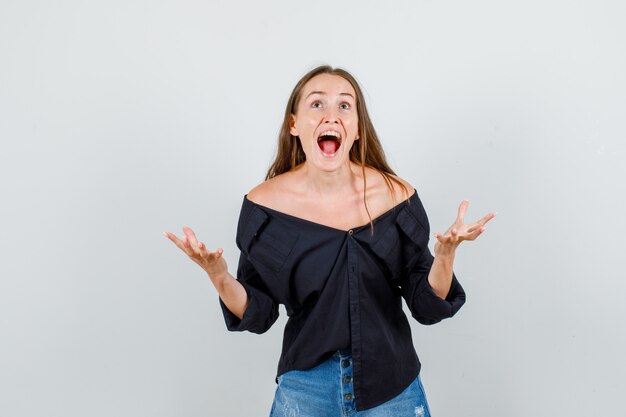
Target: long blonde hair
(369,152)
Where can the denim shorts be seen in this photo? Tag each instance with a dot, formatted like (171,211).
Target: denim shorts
(327,391)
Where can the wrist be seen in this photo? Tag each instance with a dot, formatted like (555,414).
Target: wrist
(218,277)
(445,257)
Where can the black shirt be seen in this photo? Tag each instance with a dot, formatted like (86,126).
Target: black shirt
(342,290)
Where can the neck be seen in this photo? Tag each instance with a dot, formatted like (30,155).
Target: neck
(329,184)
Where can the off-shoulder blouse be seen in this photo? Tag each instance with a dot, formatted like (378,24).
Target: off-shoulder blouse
(342,289)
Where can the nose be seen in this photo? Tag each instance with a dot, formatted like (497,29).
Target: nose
(331,116)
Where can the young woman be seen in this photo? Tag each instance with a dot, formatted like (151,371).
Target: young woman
(338,239)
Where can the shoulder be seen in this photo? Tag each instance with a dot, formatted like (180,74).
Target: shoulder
(384,191)
(272,192)
(396,188)
(402,189)
(415,206)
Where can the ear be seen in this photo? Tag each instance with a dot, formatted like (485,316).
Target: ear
(292,125)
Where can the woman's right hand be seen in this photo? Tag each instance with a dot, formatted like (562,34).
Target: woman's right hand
(212,262)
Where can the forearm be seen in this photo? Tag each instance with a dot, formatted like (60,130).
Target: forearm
(232,293)
(440,275)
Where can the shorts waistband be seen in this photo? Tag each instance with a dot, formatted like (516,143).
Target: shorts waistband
(343,353)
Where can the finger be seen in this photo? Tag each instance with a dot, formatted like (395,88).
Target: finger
(216,255)
(473,235)
(462,209)
(471,228)
(178,242)
(187,246)
(454,235)
(442,239)
(485,219)
(172,237)
(205,251)
(207,254)
(191,236)
(480,223)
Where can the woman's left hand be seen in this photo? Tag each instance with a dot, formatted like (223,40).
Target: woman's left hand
(447,243)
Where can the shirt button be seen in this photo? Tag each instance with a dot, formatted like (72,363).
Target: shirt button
(348,397)
(345,363)
(350,232)
(347,379)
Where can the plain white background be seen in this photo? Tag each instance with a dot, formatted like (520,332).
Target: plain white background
(122,119)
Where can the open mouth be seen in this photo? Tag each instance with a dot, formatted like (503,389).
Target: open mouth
(329,142)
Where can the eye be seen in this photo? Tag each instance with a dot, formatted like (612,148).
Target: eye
(345,106)
(316,104)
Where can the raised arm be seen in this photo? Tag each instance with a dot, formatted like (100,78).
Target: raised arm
(231,292)
(440,276)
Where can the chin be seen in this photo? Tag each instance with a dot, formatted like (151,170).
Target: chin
(331,164)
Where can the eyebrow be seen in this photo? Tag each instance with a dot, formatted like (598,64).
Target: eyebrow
(323,93)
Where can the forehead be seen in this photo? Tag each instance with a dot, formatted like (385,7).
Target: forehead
(328,83)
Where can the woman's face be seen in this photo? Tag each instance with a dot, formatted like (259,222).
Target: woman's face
(326,121)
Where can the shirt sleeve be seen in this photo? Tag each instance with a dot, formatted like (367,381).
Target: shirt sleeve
(425,306)
(262,310)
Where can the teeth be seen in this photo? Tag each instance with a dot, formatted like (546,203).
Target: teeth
(330,133)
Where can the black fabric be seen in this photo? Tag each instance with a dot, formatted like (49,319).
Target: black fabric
(342,290)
